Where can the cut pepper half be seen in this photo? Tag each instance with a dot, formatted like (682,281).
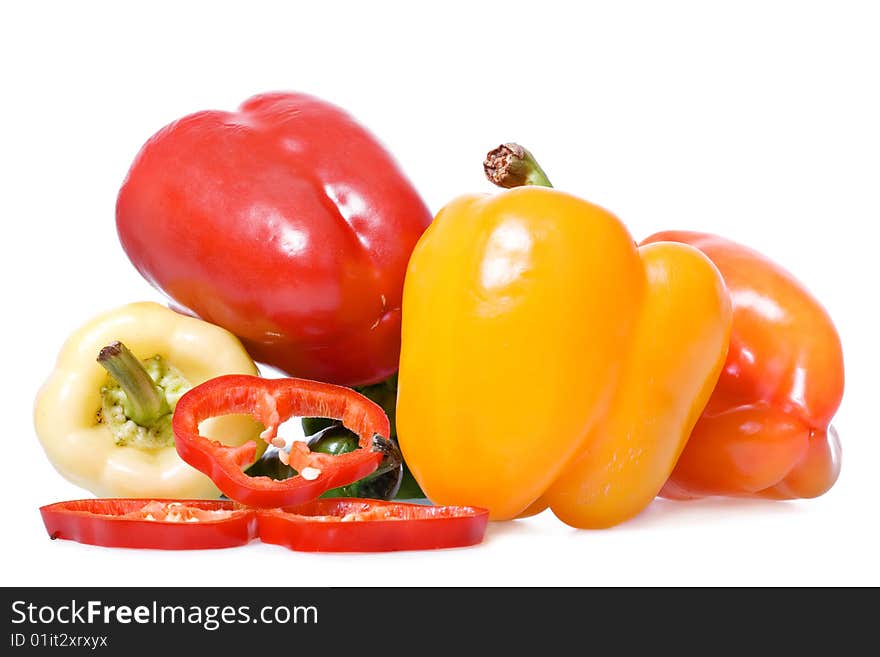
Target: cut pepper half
(156,524)
(272,401)
(360,525)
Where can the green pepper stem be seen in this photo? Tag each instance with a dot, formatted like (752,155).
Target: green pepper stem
(144,400)
(511,165)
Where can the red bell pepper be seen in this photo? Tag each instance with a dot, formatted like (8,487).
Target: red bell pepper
(271,402)
(766,429)
(157,524)
(358,525)
(285,222)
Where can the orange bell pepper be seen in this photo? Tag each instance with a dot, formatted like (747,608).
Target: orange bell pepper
(546,359)
(766,429)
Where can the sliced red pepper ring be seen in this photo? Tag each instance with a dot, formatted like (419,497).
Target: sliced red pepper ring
(362,525)
(273,401)
(157,524)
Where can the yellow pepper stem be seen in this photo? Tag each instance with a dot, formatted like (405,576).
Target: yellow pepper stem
(144,401)
(511,165)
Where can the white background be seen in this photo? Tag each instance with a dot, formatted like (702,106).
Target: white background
(756,120)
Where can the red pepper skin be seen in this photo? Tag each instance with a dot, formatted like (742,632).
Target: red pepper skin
(272,401)
(765,431)
(101,522)
(382,527)
(286,223)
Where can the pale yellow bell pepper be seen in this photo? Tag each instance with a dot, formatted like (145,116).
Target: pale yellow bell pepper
(102,438)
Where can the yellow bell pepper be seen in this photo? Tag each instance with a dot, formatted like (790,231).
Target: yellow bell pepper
(669,372)
(111,433)
(547,360)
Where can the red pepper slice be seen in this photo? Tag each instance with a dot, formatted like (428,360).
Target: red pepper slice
(272,401)
(360,525)
(158,524)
